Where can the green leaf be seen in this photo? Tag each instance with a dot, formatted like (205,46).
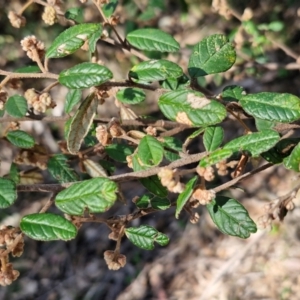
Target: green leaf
(131,95)
(213,54)
(292,162)
(95,195)
(84,75)
(72,39)
(215,157)
(119,152)
(58,167)
(20,139)
(213,138)
(28,69)
(191,108)
(255,143)
(47,227)
(73,97)
(155,70)
(264,124)
(282,149)
(8,192)
(109,8)
(76,14)
(16,106)
(14,174)
(150,151)
(233,93)
(94,169)
(81,123)
(181,82)
(171,156)
(145,236)
(171,143)
(231,217)
(152,201)
(153,185)
(280,107)
(151,39)
(185,195)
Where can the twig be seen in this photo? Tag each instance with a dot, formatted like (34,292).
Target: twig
(29,75)
(48,203)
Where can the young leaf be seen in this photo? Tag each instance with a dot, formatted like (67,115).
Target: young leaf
(151,39)
(231,217)
(171,156)
(173,84)
(215,157)
(58,167)
(47,227)
(280,107)
(73,97)
(72,39)
(119,152)
(84,75)
(28,69)
(109,8)
(213,54)
(185,195)
(16,106)
(255,143)
(131,95)
(95,195)
(232,93)
(75,13)
(292,162)
(153,185)
(191,108)
(212,138)
(8,192)
(145,236)
(150,151)
(20,139)
(155,70)
(81,123)
(171,143)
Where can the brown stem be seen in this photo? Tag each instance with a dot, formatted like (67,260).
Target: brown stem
(37,59)
(48,203)
(29,75)
(20,12)
(4,81)
(50,86)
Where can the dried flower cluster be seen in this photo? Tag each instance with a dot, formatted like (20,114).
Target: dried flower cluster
(202,196)
(34,48)
(8,237)
(114,261)
(171,180)
(3,98)
(39,102)
(33,157)
(16,20)
(207,173)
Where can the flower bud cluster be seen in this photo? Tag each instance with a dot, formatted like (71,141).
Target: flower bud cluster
(39,102)
(32,46)
(207,173)
(202,196)
(171,180)
(8,235)
(49,15)
(113,261)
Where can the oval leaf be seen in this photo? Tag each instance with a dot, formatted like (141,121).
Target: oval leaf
(58,167)
(20,139)
(185,195)
(81,123)
(215,157)
(212,138)
(16,106)
(94,169)
(292,162)
(280,107)
(191,108)
(155,70)
(255,143)
(233,93)
(153,185)
(231,217)
(73,97)
(131,95)
(119,152)
(8,192)
(213,54)
(95,195)
(47,227)
(151,39)
(84,75)
(150,151)
(145,236)
(72,39)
